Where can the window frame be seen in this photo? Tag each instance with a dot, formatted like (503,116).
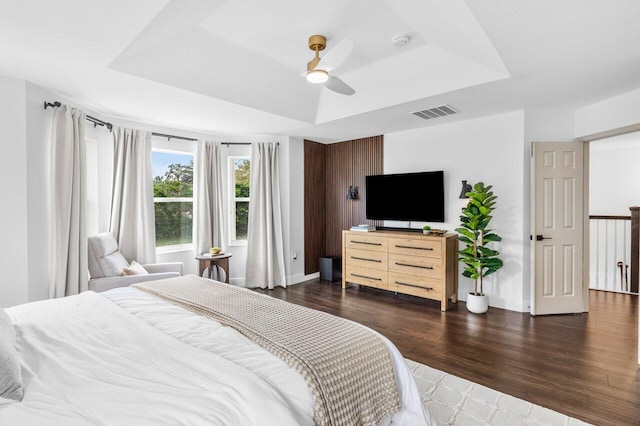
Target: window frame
(233,199)
(183,246)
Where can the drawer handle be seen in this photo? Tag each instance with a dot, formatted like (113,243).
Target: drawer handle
(366,242)
(368,260)
(369,278)
(416,248)
(416,286)
(414,266)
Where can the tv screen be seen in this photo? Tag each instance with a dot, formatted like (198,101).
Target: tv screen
(406,196)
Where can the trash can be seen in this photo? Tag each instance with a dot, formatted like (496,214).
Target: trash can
(331,268)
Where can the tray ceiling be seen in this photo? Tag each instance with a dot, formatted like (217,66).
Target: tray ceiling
(235,66)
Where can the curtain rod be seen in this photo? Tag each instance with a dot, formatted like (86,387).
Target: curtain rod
(169,137)
(239,143)
(95,121)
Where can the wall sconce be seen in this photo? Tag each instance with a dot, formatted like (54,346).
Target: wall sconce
(352,193)
(465,188)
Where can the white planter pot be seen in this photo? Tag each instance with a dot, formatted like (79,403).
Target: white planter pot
(477,304)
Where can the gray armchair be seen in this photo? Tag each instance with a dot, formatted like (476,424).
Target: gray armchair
(106,263)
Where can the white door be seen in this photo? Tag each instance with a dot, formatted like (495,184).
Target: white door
(557,226)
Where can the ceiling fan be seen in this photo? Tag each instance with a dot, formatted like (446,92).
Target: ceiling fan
(318,69)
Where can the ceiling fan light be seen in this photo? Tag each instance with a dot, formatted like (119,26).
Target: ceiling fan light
(317,76)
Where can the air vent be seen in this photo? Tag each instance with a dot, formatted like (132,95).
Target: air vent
(435,112)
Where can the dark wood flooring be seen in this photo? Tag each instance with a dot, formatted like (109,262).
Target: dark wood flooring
(585,366)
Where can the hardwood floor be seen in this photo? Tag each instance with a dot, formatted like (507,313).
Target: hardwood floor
(583,365)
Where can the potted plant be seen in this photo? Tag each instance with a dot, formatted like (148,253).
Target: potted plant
(479,259)
(426,229)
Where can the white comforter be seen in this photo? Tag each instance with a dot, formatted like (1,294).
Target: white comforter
(124,357)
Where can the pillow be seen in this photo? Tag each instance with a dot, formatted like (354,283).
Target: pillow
(134,269)
(10,376)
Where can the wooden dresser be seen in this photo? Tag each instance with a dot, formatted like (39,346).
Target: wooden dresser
(403,262)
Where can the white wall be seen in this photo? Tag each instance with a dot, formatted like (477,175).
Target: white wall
(14,255)
(485,149)
(38,148)
(609,114)
(614,175)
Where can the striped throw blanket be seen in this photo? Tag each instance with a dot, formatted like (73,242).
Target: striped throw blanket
(348,369)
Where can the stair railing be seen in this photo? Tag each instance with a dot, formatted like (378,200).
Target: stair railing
(612,252)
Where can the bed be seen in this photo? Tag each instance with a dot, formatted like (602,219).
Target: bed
(126,356)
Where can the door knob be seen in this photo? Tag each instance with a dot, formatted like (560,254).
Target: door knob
(540,238)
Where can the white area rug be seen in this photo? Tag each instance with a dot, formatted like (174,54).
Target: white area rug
(452,400)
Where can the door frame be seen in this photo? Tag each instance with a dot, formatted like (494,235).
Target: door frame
(602,135)
(586,254)
(585,226)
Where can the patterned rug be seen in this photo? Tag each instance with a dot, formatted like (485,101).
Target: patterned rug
(452,400)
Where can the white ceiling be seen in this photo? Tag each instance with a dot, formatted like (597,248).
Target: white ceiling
(223,66)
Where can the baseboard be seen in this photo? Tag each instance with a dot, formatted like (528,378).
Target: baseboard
(501,303)
(300,278)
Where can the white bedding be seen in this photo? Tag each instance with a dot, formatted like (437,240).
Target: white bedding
(124,357)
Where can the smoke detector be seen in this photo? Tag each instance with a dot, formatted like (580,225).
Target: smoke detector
(400,40)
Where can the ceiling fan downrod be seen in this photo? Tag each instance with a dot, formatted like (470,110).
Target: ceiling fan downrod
(316,43)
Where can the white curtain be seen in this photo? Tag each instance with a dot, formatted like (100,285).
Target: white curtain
(265,246)
(132,220)
(208,228)
(68,251)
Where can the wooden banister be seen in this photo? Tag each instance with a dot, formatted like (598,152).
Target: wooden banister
(635,248)
(609,217)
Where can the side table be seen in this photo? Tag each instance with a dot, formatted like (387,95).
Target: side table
(220,261)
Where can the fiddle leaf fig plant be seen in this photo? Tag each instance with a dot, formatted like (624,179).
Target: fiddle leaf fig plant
(480,260)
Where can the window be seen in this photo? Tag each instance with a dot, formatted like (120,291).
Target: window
(240,170)
(173,198)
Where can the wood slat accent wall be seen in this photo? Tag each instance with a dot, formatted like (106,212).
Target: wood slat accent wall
(314,204)
(327,210)
(367,160)
(338,212)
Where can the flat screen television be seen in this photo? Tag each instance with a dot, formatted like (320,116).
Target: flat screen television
(406,196)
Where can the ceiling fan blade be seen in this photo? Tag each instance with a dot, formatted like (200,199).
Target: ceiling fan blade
(336,56)
(339,86)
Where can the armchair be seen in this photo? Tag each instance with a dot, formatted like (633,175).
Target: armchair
(106,263)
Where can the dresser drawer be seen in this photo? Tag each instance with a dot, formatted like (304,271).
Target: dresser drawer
(416,265)
(417,247)
(367,259)
(416,285)
(366,242)
(366,276)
